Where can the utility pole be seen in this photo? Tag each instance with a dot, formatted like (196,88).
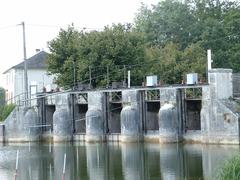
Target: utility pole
(25,64)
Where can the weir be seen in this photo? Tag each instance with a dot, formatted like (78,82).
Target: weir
(204,113)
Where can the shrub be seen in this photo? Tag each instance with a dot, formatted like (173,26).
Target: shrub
(5,110)
(230,169)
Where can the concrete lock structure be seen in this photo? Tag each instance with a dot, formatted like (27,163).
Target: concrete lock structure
(130,117)
(168,116)
(94,117)
(62,124)
(202,113)
(22,125)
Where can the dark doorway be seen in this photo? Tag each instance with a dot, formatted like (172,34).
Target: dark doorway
(193,109)
(151,121)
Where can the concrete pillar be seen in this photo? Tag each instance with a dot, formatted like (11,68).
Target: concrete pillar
(130,117)
(62,122)
(30,122)
(95,117)
(169,120)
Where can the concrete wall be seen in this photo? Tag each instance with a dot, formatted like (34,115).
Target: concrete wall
(220,81)
(219,118)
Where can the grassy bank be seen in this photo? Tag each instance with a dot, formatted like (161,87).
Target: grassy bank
(5,110)
(230,170)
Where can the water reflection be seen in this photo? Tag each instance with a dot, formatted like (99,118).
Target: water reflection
(113,161)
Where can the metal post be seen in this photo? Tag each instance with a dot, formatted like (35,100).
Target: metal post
(209,63)
(124,75)
(107,76)
(74,75)
(25,65)
(129,79)
(90,77)
(209,59)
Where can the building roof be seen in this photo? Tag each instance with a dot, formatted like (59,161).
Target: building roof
(38,61)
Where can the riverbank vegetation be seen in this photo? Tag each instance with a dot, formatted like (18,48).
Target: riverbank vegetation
(169,39)
(230,170)
(5,110)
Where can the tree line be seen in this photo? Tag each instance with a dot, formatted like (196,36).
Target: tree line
(169,39)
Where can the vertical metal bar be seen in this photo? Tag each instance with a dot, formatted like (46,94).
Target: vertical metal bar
(90,77)
(107,76)
(129,79)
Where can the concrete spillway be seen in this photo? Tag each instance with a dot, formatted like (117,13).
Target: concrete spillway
(202,113)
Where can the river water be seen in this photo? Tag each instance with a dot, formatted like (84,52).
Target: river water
(113,161)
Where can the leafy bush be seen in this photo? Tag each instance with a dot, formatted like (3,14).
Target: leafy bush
(5,111)
(230,170)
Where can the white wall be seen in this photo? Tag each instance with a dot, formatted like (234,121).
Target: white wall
(15,81)
(9,84)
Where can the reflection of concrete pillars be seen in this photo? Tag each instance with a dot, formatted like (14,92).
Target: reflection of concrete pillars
(58,155)
(171,161)
(95,117)
(130,117)
(132,161)
(97,161)
(31,164)
(62,122)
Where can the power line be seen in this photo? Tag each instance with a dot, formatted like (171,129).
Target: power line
(59,27)
(7,27)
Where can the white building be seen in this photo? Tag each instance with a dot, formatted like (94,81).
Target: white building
(37,77)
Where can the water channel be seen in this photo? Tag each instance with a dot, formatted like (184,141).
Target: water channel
(113,161)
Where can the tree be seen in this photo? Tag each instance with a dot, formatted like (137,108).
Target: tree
(113,48)
(168,21)
(212,24)
(172,64)
(64,53)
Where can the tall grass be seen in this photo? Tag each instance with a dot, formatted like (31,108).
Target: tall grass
(5,110)
(230,169)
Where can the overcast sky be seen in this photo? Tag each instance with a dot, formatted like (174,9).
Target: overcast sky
(44,18)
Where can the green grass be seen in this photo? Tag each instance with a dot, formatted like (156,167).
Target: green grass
(230,170)
(5,110)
